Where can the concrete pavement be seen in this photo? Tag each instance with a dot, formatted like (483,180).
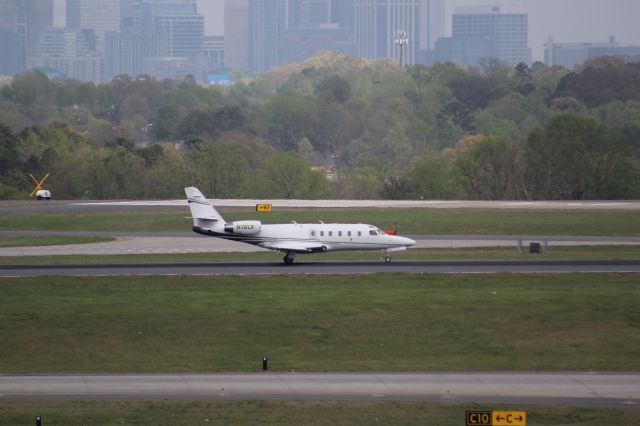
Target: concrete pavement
(611,389)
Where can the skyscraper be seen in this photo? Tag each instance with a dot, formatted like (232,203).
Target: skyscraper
(267,25)
(27,18)
(98,15)
(484,32)
(376,24)
(184,33)
(435,19)
(156,35)
(236,34)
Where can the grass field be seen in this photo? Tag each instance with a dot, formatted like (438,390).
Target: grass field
(628,252)
(17,413)
(391,322)
(410,221)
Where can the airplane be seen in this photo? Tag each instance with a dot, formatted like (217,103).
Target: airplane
(292,238)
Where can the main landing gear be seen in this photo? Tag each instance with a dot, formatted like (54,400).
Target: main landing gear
(288,258)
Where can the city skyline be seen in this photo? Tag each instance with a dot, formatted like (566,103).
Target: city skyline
(166,38)
(591,20)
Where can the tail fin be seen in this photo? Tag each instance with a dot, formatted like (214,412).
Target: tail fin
(203,213)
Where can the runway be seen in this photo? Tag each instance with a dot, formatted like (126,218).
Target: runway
(189,242)
(300,267)
(607,390)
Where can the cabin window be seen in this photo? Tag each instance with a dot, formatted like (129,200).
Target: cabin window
(330,233)
(313,233)
(322,233)
(359,233)
(339,233)
(349,233)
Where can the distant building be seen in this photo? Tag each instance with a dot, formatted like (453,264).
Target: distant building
(236,34)
(124,50)
(267,26)
(302,43)
(342,13)
(213,48)
(435,19)
(218,78)
(72,52)
(484,32)
(185,33)
(156,33)
(171,67)
(98,15)
(376,23)
(12,53)
(569,55)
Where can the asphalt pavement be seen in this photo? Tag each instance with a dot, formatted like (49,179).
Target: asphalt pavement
(300,267)
(620,390)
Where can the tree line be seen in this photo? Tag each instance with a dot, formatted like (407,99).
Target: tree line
(447,131)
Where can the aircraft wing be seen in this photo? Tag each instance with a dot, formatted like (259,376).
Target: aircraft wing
(295,246)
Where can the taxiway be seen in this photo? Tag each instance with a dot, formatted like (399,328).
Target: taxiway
(608,390)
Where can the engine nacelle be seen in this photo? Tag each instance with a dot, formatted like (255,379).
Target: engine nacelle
(244,227)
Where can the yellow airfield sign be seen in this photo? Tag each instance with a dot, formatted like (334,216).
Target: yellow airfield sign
(496,418)
(509,418)
(263,207)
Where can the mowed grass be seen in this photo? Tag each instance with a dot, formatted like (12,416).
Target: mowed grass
(16,413)
(384,322)
(622,252)
(410,221)
(50,241)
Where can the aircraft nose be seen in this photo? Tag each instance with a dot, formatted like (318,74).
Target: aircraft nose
(407,241)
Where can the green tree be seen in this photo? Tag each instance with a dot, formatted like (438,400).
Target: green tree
(488,168)
(433,177)
(287,175)
(574,157)
(289,119)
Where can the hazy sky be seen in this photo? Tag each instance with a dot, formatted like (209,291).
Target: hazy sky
(565,20)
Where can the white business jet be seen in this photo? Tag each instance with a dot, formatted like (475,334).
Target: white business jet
(292,238)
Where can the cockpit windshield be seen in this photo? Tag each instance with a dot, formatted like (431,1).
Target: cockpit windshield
(374,231)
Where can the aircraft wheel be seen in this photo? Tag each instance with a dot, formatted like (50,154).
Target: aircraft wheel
(387,259)
(288,260)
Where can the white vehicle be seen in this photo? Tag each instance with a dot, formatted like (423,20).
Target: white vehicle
(292,238)
(43,194)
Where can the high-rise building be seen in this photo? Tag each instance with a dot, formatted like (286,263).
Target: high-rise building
(435,19)
(12,52)
(160,33)
(72,52)
(213,48)
(376,24)
(485,32)
(124,50)
(98,15)
(147,11)
(236,34)
(184,33)
(267,25)
(27,19)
